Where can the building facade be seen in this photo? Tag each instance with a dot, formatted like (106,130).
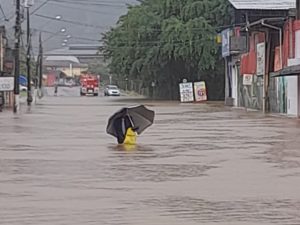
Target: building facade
(264,41)
(6,68)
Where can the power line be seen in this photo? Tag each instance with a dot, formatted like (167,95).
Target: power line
(86,2)
(52,36)
(62,35)
(4,16)
(96,1)
(72,22)
(123,29)
(38,8)
(62,4)
(34,11)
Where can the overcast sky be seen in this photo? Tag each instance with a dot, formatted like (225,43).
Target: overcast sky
(84,20)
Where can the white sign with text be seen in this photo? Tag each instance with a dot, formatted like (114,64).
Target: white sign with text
(261,59)
(186,92)
(7,83)
(247,79)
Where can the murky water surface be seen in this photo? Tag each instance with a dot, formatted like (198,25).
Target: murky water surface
(198,164)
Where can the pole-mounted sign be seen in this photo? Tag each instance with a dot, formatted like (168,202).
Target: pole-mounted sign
(27,3)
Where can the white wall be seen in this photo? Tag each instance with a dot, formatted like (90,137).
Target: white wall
(297,44)
(297,56)
(292,90)
(292,96)
(234,85)
(298,96)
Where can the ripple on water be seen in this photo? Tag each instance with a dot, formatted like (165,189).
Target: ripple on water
(247,210)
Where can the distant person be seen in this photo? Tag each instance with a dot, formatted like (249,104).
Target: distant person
(55,88)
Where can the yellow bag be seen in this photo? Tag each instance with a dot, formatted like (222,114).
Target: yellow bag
(130,137)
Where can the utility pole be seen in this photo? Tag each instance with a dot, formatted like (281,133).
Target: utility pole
(29,94)
(40,63)
(17,57)
(298,9)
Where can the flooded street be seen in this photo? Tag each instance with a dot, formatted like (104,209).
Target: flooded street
(198,164)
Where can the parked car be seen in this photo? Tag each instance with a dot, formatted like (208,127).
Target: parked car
(69,82)
(23,88)
(111,90)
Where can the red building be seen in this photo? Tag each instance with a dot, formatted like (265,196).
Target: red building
(264,42)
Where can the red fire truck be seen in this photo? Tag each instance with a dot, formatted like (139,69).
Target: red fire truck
(89,85)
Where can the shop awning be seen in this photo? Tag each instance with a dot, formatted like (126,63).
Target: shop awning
(288,71)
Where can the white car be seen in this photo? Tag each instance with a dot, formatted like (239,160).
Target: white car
(69,83)
(111,90)
(23,88)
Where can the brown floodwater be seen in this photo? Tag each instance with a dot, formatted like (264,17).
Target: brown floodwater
(198,164)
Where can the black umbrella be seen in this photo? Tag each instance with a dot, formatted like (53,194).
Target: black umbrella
(139,118)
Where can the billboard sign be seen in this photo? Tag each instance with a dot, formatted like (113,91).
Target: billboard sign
(186,92)
(7,83)
(226,43)
(261,60)
(200,91)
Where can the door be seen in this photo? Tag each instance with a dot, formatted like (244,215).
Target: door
(292,95)
(234,86)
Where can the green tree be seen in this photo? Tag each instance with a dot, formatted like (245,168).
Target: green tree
(99,67)
(23,65)
(165,41)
